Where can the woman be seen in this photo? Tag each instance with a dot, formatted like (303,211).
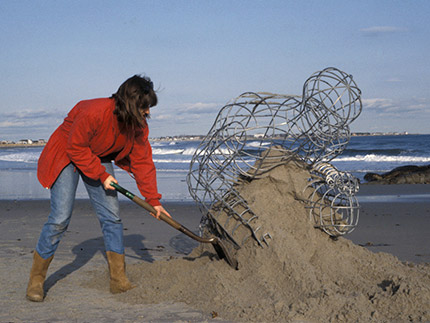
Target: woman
(94,133)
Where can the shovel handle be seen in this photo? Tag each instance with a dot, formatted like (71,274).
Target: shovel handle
(215,241)
(146,206)
(163,216)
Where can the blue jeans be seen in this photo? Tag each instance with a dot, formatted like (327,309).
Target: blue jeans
(105,203)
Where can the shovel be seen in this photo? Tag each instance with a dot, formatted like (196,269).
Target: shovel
(219,247)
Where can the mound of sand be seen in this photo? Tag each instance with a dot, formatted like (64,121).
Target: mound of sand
(302,275)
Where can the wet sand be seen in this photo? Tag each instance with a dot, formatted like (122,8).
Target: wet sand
(393,219)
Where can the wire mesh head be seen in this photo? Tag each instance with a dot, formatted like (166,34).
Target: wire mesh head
(331,102)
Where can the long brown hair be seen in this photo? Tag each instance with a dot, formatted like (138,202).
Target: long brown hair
(134,95)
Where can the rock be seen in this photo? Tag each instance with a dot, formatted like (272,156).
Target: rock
(410,174)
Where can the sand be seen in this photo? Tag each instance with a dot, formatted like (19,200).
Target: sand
(303,275)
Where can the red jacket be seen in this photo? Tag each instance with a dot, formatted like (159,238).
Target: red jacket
(90,131)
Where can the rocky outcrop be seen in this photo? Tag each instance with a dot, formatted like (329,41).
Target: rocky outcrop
(409,174)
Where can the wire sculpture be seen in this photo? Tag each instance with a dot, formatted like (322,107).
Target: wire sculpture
(332,202)
(257,132)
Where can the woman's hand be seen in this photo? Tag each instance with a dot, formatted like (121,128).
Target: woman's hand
(106,183)
(159,209)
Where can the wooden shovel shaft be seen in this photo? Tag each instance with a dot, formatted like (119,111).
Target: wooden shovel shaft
(215,241)
(169,220)
(163,216)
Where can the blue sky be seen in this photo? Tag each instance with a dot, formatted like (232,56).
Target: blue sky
(201,54)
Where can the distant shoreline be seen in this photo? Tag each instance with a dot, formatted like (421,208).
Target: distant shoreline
(201,137)
(22,145)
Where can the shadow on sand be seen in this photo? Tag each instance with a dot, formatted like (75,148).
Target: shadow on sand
(86,250)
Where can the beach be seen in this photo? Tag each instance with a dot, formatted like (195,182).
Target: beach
(394,219)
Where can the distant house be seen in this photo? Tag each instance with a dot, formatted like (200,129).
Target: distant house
(25,141)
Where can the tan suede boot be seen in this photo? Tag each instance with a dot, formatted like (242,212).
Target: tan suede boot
(38,272)
(119,282)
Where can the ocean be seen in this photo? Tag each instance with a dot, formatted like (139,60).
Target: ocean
(172,159)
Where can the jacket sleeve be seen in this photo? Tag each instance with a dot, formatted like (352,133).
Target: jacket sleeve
(143,168)
(78,149)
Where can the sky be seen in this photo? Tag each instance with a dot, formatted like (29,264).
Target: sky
(201,54)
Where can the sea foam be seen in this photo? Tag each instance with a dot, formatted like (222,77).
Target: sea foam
(383,158)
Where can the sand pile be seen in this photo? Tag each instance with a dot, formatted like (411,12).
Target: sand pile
(302,275)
